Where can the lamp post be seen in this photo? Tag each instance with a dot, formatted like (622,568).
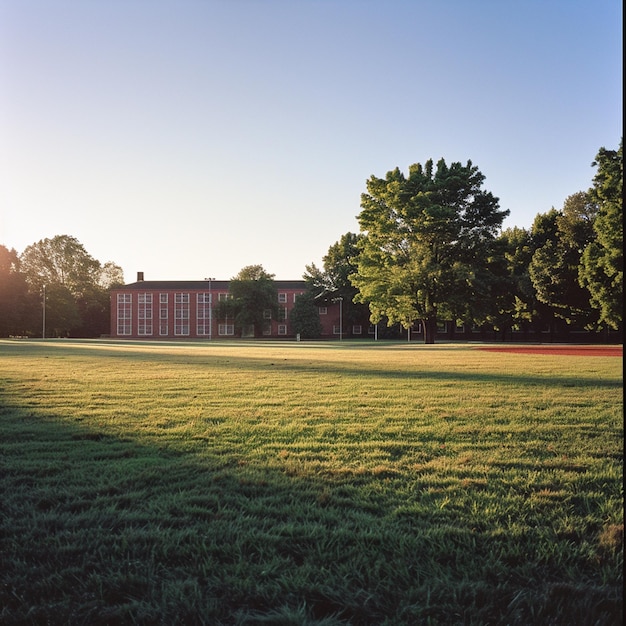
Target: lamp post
(340,299)
(340,319)
(43,322)
(210,308)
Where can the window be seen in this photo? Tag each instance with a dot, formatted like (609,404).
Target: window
(181,314)
(144,314)
(295,295)
(124,314)
(224,296)
(323,310)
(336,329)
(282,329)
(203,314)
(226,329)
(267,314)
(282,313)
(163,314)
(357,329)
(282,298)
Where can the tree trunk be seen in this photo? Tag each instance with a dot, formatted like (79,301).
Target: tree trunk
(430,329)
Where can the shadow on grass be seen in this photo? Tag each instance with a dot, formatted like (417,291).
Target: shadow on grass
(102,529)
(183,354)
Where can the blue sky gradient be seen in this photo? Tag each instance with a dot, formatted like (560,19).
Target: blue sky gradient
(190,138)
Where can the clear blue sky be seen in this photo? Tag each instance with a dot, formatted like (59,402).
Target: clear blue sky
(190,138)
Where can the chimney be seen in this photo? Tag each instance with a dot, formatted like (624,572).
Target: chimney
(139,277)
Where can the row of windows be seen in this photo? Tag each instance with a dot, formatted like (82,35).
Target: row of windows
(181,314)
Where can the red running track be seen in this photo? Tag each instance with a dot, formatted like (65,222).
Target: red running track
(566,350)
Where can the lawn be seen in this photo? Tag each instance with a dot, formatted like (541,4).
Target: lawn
(308,483)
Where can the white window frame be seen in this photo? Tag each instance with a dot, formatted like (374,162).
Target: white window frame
(203,313)
(181,314)
(124,314)
(163,314)
(144,314)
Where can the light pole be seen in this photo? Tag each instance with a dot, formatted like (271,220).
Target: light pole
(340,316)
(210,308)
(340,319)
(43,323)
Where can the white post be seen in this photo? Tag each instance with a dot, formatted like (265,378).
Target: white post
(210,308)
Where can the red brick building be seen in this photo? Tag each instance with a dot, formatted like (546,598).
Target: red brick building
(186,310)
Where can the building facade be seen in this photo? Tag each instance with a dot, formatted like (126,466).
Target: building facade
(187,310)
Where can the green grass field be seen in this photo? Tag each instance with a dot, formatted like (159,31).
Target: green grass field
(308,483)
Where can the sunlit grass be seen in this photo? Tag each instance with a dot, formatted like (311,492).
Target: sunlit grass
(330,483)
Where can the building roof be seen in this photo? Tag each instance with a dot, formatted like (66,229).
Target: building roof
(200,285)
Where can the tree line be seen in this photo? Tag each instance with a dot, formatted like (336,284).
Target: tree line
(430,248)
(55,288)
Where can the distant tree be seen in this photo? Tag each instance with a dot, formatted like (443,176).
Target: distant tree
(77,300)
(253,300)
(304,316)
(555,264)
(426,241)
(17,305)
(93,307)
(111,275)
(520,302)
(61,260)
(333,280)
(62,312)
(602,263)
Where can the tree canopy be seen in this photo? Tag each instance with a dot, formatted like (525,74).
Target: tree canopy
(602,264)
(427,239)
(332,282)
(253,300)
(76,288)
(554,265)
(304,317)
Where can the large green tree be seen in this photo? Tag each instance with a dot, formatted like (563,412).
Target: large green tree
(332,281)
(602,262)
(61,260)
(76,285)
(555,263)
(304,316)
(520,301)
(427,241)
(253,300)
